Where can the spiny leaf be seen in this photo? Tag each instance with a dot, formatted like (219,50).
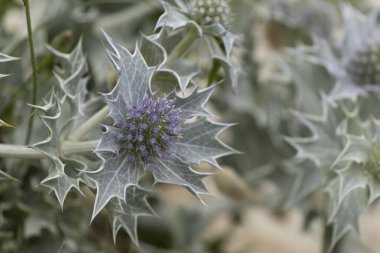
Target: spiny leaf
(309,80)
(174,171)
(166,80)
(109,142)
(200,142)
(351,178)
(134,75)
(112,179)
(57,180)
(309,178)
(51,111)
(153,53)
(228,38)
(357,27)
(323,146)
(345,215)
(124,213)
(231,68)
(61,184)
(60,114)
(193,104)
(356,150)
(174,19)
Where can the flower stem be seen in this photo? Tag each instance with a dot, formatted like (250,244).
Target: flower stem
(213,73)
(25,152)
(89,124)
(19,151)
(74,147)
(182,47)
(34,69)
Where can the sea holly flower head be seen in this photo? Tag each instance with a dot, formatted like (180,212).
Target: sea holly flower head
(162,134)
(355,61)
(150,128)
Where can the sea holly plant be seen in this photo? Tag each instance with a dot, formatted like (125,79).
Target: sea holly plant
(162,134)
(346,147)
(354,61)
(205,20)
(151,132)
(61,114)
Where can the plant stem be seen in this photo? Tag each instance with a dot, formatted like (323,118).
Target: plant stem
(74,147)
(25,152)
(182,47)
(213,73)
(33,59)
(89,124)
(19,151)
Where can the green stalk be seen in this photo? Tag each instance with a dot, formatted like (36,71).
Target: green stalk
(72,147)
(213,72)
(182,47)
(19,151)
(67,148)
(33,59)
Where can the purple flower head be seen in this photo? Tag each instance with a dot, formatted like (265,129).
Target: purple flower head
(151,134)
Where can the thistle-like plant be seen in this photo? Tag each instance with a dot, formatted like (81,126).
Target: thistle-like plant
(61,114)
(355,61)
(346,147)
(151,132)
(207,20)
